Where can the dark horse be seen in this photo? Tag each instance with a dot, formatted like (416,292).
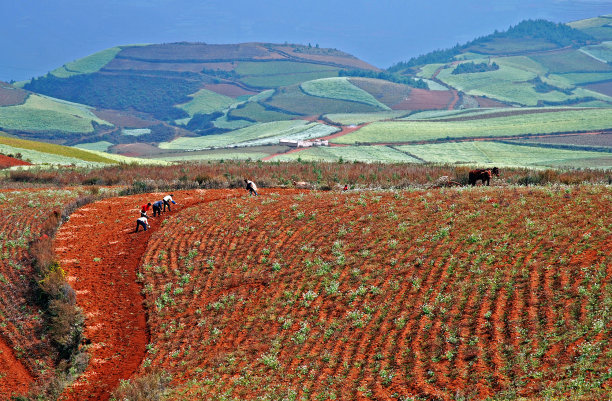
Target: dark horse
(483,175)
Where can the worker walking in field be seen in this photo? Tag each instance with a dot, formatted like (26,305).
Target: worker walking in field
(142,221)
(144,209)
(167,200)
(251,187)
(157,208)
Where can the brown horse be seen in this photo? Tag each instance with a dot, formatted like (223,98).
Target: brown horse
(483,175)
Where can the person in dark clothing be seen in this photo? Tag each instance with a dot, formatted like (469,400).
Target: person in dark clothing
(142,221)
(157,208)
(251,187)
(167,200)
(144,209)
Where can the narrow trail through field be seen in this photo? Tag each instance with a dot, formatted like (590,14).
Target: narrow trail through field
(100,253)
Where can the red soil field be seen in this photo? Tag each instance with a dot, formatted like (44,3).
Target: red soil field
(439,294)
(6,161)
(10,95)
(24,354)
(120,119)
(129,64)
(422,99)
(486,102)
(100,253)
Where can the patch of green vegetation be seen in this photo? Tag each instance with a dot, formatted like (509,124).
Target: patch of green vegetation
(570,61)
(361,118)
(205,101)
(521,124)
(602,52)
(340,88)
(224,123)
(369,154)
(100,146)
(580,78)
(275,81)
(136,131)
(295,100)
(42,114)
(46,152)
(254,111)
(428,71)
(240,136)
(87,65)
(489,153)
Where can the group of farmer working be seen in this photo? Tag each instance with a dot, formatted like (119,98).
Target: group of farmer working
(143,220)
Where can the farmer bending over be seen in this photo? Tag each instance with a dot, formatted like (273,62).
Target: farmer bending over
(144,209)
(251,187)
(167,199)
(157,208)
(142,221)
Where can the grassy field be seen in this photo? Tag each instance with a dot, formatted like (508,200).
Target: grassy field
(602,52)
(255,111)
(87,65)
(570,61)
(583,78)
(428,71)
(361,118)
(294,100)
(257,134)
(42,152)
(100,146)
(368,154)
(39,114)
(206,102)
(486,153)
(340,88)
(538,123)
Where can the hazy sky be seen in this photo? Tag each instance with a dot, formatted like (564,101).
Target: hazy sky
(37,36)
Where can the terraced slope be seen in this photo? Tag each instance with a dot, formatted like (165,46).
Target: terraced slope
(437,294)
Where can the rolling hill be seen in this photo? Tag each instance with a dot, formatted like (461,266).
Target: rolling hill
(169,100)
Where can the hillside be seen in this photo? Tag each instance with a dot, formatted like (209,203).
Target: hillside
(198,101)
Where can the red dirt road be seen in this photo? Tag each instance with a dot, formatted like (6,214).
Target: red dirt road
(100,253)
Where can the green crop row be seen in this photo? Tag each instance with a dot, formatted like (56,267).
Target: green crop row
(340,88)
(87,65)
(537,123)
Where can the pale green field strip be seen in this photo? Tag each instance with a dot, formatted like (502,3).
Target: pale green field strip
(538,123)
(40,113)
(87,65)
(42,158)
(57,150)
(361,118)
(340,88)
(229,155)
(369,154)
(428,71)
(589,23)
(255,111)
(310,131)
(205,101)
(442,115)
(250,133)
(509,84)
(129,160)
(136,131)
(583,78)
(488,153)
(100,146)
(224,123)
(602,52)
(434,86)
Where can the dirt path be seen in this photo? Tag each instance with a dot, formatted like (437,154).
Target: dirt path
(100,253)
(14,377)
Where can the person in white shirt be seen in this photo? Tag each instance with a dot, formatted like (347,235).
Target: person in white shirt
(251,187)
(167,200)
(142,221)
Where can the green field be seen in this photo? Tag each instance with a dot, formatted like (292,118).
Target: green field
(340,88)
(361,118)
(583,78)
(257,134)
(42,152)
(100,146)
(256,112)
(602,52)
(538,123)
(369,154)
(428,71)
(206,102)
(510,84)
(294,100)
(40,114)
(87,65)
(570,61)
(486,153)
(275,81)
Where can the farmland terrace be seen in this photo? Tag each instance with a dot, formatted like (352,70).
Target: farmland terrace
(348,295)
